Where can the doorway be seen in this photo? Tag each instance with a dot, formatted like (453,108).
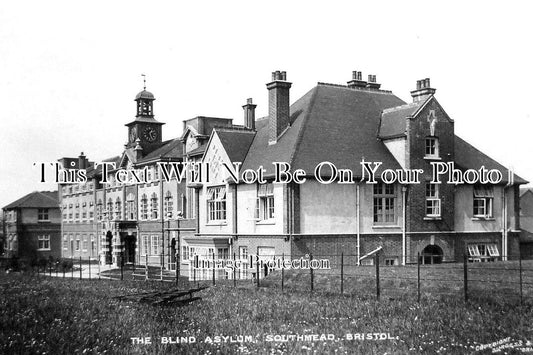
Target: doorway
(109,250)
(432,254)
(129,248)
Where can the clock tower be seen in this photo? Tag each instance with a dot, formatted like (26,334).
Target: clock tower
(145,127)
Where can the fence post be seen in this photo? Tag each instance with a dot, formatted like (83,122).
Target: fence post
(520,270)
(89,268)
(342,273)
(234,275)
(63,269)
(377,275)
(257,272)
(161,260)
(98,267)
(121,267)
(50,269)
(146,268)
(57,268)
(214,269)
(72,270)
(418,277)
(465,277)
(80,268)
(310,268)
(282,271)
(177,272)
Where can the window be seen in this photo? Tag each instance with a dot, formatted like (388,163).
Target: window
(43,242)
(168,206)
(145,245)
(384,204)
(42,215)
(483,201)
(144,207)
(432,147)
(65,242)
(265,202)
(391,261)
(223,253)
(118,209)
(483,252)
(99,210)
(432,200)
(185,253)
(109,209)
(155,245)
(93,245)
(153,206)
(77,243)
(216,203)
(130,207)
(85,243)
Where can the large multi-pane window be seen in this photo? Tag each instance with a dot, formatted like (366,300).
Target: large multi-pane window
(144,207)
(483,252)
(154,206)
(264,208)
(483,201)
(145,247)
(110,209)
(99,210)
(156,244)
(384,204)
(432,200)
(216,203)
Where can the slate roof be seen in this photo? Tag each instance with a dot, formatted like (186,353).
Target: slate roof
(172,148)
(36,199)
(330,123)
(393,120)
(236,143)
(523,190)
(468,157)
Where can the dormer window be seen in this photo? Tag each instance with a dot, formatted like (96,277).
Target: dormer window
(432,147)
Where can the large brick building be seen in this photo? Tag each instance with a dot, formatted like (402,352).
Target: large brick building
(32,226)
(344,125)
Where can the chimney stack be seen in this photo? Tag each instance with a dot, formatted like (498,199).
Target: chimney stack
(357,81)
(372,84)
(278,105)
(249,114)
(423,90)
(138,150)
(82,161)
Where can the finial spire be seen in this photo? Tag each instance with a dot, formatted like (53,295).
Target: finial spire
(144,80)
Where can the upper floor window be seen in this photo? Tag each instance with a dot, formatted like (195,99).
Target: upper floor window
(168,206)
(43,242)
(99,210)
(109,209)
(432,200)
(384,204)
(42,215)
(216,203)
(144,207)
(483,201)
(118,209)
(264,208)
(130,207)
(432,147)
(153,206)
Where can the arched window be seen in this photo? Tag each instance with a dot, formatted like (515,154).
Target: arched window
(118,209)
(99,210)
(169,205)
(432,254)
(153,206)
(144,207)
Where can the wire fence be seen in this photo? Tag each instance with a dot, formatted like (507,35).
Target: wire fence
(377,276)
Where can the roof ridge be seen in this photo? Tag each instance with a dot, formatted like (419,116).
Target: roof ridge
(396,108)
(377,91)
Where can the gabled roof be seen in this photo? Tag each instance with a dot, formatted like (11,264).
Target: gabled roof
(36,199)
(98,171)
(236,143)
(524,190)
(169,149)
(330,123)
(468,157)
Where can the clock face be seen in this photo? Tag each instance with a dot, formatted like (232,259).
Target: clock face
(150,134)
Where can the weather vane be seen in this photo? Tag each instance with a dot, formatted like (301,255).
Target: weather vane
(144,80)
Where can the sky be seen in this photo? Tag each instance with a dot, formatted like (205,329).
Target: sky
(70,70)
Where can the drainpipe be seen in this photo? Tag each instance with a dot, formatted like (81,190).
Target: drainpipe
(510,181)
(404,223)
(358,215)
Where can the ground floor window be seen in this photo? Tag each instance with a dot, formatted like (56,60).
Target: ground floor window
(44,242)
(391,261)
(432,254)
(483,252)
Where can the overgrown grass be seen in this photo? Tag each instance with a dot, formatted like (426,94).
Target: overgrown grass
(51,315)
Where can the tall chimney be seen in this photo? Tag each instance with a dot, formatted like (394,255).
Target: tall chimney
(278,105)
(249,114)
(82,161)
(357,81)
(423,90)
(372,84)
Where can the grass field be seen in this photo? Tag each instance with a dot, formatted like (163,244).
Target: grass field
(52,315)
